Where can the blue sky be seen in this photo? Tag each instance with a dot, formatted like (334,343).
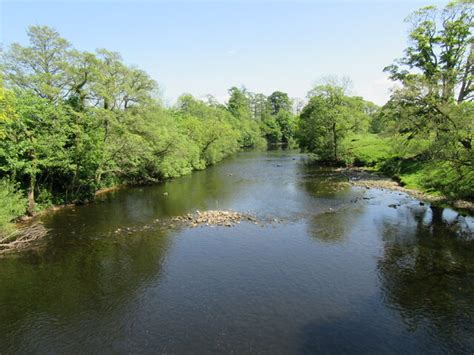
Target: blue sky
(207,47)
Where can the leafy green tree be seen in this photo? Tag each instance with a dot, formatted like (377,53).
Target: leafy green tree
(40,67)
(434,101)
(287,125)
(280,107)
(259,105)
(271,128)
(441,48)
(34,142)
(7,108)
(279,101)
(210,127)
(82,73)
(239,103)
(327,118)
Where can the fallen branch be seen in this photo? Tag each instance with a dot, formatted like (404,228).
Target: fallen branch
(22,238)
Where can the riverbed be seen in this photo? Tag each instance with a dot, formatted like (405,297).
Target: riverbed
(332,268)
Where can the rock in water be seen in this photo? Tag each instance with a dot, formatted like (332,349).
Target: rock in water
(215,218)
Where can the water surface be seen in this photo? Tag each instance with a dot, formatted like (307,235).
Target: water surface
(343,269)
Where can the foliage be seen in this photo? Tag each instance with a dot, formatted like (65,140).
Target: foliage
(434,104)
(328,118)
(279,101)
(74,122)
(7,109)
(13,204)
(239,103)
(274,116)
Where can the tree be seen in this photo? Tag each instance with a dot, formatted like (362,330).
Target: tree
(42,66)
(239,103)
(7,108)
(279,101)
(326,119)
(13,205)
(210,127)
(441,48)
(258,104)
(286,123)
(271,128)
(82,73)
(34,142)
(434,101)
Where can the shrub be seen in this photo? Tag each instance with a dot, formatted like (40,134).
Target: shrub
(13,204)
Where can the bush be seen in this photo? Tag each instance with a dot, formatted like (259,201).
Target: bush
(13,204)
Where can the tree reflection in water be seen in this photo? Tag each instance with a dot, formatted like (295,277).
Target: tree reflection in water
(427,273)
(47,296)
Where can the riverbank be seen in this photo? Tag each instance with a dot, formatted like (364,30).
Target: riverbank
(355,176)
(389,163)
(365,178)
(17,233)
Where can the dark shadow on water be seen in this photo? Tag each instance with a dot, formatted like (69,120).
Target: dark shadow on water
(427,274)
(52,292)
(346,336)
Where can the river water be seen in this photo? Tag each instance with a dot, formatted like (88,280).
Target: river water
(341,269)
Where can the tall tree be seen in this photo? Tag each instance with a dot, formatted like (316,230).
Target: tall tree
(258,104)
(434,101)
(441,49)
(279,101)
(239,103)
(41,66)
(327,118)
(34,142)
(7,108)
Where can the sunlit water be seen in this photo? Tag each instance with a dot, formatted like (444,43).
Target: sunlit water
(340,270)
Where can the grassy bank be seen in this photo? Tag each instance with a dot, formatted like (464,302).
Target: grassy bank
(409,166)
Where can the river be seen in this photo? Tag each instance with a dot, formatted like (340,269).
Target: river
(334,269)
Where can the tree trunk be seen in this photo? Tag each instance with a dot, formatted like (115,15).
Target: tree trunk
(334,140)
(436,215)
(466,82)
(31,195)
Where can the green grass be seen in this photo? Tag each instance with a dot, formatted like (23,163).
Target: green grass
(405,164)
(367,149)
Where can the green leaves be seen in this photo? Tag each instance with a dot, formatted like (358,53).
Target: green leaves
(41,67)
(431,115)
(328,117)
(239,103)
(440,47)
(13,205)
(7,109)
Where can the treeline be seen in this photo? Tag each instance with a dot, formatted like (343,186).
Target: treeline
(423,136)
(74,122)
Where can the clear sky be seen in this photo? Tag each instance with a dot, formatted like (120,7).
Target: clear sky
(207,47)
